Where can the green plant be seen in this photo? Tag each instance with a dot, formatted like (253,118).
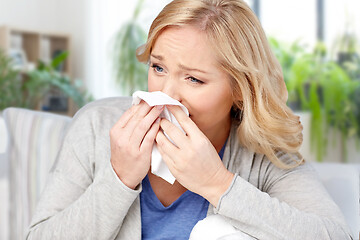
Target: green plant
(46,78)
(287,55)
(10,83)
(129,73)
(347,50)
(319,85)
(28,89)
(356,102)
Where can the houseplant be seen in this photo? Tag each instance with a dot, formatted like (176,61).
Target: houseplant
(287,55)
(347,52)
(46,78)
(130,74)
(10,83)
(27,89)
(319,85)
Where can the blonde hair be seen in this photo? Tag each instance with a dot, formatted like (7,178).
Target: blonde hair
(267,125)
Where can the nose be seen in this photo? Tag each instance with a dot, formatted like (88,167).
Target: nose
(171,88)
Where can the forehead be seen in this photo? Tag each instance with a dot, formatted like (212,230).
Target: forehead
(186,35)
(186,42)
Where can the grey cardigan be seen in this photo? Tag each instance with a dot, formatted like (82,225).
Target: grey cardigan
(84,199)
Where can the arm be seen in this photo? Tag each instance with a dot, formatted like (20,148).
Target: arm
(292,205)
(83,196)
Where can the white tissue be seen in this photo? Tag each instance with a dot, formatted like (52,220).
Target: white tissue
(158,166)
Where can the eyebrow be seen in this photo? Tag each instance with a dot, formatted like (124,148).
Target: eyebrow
(159,57)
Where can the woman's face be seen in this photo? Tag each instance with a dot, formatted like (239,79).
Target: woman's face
(183,65)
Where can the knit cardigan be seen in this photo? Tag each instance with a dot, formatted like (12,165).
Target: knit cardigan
(84,199)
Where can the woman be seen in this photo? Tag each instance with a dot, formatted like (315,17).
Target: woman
(237,159)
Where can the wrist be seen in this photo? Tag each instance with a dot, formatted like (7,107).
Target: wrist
(219,186)
(127,182)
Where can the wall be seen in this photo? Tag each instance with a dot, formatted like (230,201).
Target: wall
(341,16)
(104,20)
(296,20)
(286,20)
(64,16)
(91,24)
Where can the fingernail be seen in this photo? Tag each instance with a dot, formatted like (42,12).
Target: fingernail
(157,120)
(160,107)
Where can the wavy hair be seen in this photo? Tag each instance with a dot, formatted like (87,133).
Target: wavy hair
(267,125)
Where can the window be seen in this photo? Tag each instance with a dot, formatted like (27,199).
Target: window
(283,19)
(289,20)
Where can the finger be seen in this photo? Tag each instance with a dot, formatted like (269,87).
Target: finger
(129,114)
(174,133)
(126,117)
(185,122)
(149,139)
(167,158)
(164,145)
(138,114)
(141,112)
(144,125)
(125,126)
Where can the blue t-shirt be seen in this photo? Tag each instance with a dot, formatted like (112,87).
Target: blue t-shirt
(175,221)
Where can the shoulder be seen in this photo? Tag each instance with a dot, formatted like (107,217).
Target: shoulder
(99,116)
(257,169)
(270,175)
(105,106)
(238,152)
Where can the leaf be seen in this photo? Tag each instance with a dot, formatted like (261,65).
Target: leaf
(10,83)
(329,91)
(130,74)
(59,59)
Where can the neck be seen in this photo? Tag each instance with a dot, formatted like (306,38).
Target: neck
(218,138)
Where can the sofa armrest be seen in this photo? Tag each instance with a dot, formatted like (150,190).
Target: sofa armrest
(342,183)
(34,139)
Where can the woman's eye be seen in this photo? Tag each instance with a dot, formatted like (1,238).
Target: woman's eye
(195,80)
(157,68)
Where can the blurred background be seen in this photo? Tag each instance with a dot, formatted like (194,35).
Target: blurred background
(56,56)
(63,54)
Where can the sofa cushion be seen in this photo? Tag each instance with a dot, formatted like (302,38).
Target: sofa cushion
(34,140)
(342,183)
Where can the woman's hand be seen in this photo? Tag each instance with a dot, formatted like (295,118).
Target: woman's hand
(194,161)
(131,141)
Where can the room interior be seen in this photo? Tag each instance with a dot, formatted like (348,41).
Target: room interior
(81,35)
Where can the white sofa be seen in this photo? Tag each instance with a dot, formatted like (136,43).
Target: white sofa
(34,139)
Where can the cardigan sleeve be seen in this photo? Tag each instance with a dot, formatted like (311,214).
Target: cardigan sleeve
(83,197)
(293,204)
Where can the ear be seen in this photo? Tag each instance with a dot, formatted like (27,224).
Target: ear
(237,111)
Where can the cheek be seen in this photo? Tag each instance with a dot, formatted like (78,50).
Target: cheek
(212,107)
(220,98)
(152,86)
(203,107)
